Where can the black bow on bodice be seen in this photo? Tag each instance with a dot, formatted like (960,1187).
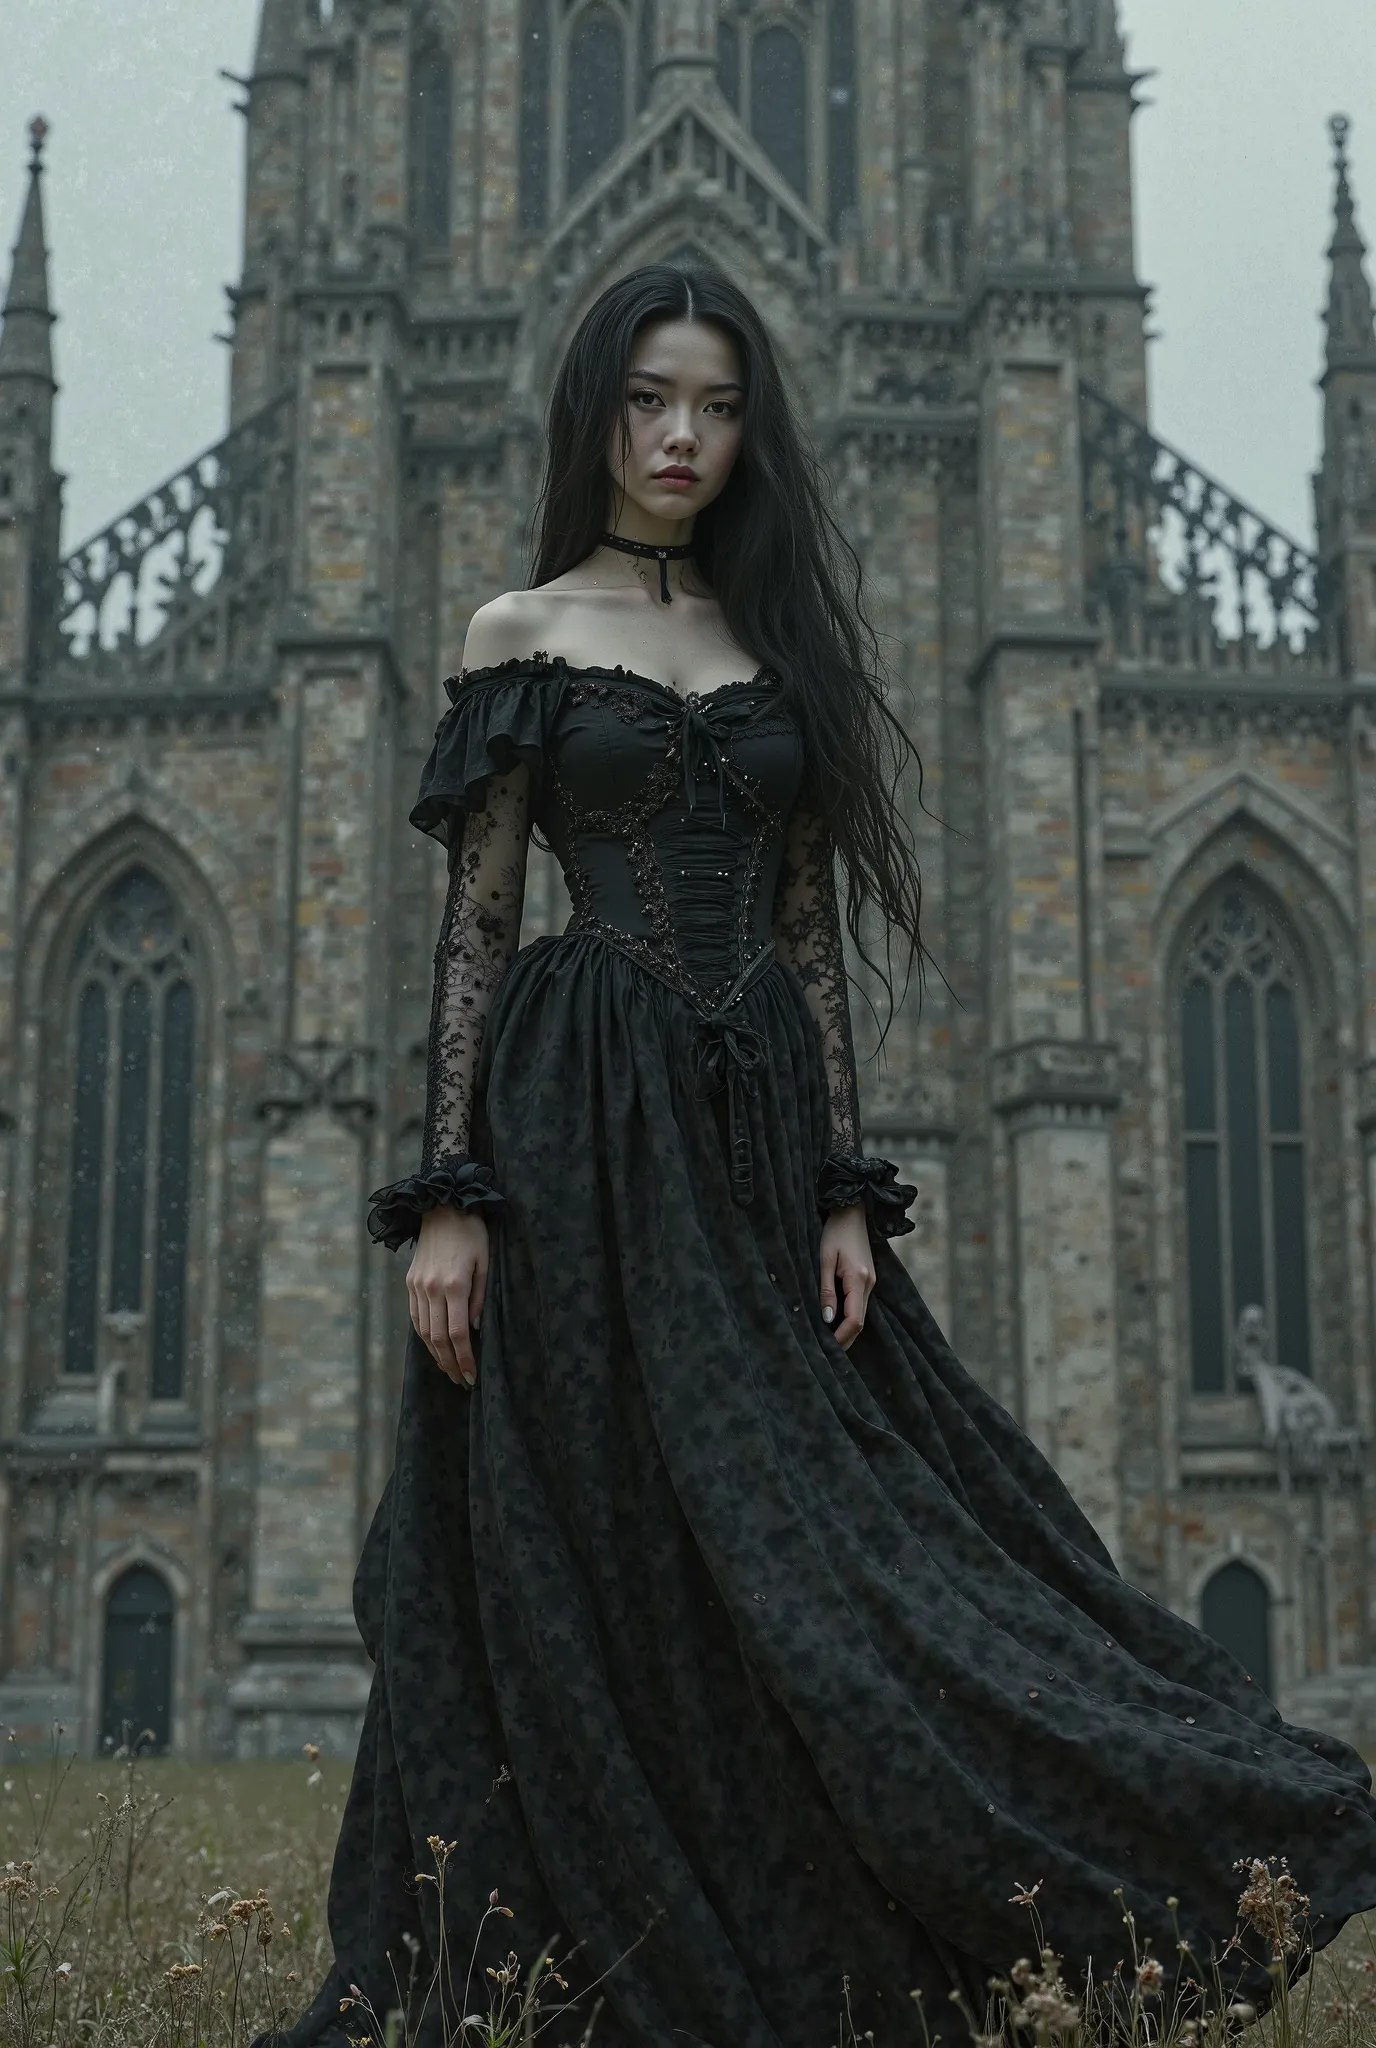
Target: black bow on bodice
(700,747)
(728,1053)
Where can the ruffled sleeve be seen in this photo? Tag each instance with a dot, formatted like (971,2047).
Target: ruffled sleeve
(498,717)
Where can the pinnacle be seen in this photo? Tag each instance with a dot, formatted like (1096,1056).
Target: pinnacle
(26,338)
(1350,318)
(279,51)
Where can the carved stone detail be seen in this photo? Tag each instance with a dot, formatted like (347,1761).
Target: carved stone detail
(1202,708)
(1074,1076)
(1299,1420)
(320,1075)
(1366,1101)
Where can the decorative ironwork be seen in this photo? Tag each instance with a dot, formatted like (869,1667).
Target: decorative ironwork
(1180,574)
(180,589)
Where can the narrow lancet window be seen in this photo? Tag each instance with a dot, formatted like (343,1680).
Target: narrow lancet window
(1242,1094)
(729,63)
(596,106)
(533,203)
(645,53)
(133,1037)
(432,147)
(841,113)
(778,102)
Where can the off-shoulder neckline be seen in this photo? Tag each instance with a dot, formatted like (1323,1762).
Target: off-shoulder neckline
(764,677)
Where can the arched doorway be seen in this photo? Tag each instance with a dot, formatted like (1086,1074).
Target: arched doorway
(1236,1611)
(136,1706)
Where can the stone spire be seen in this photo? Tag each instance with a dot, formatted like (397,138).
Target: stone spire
(281,28)
(26,352)
(1101,34)
(1350,318)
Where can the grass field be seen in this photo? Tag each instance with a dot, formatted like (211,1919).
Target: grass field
(169,1905)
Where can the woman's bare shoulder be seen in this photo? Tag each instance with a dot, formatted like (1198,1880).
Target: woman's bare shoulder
(508,627)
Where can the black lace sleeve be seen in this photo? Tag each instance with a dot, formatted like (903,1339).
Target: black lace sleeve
(807,937)
(478,938)
(479,934)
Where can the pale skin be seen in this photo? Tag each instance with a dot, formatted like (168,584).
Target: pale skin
(683,398)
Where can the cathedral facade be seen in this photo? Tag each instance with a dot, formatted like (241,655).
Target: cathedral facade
(1138,1100)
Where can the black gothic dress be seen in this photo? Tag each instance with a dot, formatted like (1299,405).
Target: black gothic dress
(687,1620)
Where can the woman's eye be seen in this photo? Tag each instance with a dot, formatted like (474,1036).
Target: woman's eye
(644,394)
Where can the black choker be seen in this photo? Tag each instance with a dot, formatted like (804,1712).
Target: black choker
(662,555)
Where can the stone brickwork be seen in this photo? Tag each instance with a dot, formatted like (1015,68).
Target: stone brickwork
(1102,755)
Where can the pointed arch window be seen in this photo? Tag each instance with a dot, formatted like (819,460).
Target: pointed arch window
(595,96)
(432,146)
(136,1704)
(778,101)
(133,1032)
(1242,1067)
(1236,1611)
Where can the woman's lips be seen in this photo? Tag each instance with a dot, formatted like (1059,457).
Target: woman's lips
(675,479)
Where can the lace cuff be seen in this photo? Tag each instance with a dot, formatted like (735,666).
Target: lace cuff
(846,1179)
(456,1182)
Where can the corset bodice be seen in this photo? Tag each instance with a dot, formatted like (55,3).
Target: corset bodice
(667,815)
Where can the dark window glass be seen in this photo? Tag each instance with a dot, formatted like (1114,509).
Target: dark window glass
(1236,1611)
(729,62)
(1243,1090)
(778,102)
(88,1146)
(1283,1050)
(841,111)
(174,1190)
(135,1040)
(1292,1262)
(534,178)
(1244,1147)
(137,1691)
(131,1148)
(596,95)
(645,52)
(432,146)
(1197,1049)
(1206,1271)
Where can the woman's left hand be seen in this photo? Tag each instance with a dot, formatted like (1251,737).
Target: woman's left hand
(847,1272)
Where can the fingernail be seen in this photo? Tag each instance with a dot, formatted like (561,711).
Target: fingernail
(469,1379)
(828,1315)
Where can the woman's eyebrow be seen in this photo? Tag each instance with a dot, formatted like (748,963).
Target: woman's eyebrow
(655,377)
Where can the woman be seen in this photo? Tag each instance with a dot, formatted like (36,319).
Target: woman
(721,1621)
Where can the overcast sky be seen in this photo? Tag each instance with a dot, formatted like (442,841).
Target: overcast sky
(143,195)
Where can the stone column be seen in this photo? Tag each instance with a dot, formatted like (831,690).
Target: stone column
(685,46)
(14,751)
(877,73)
(1056,1097)
(1053,1081)
(321,1292)
(498,139)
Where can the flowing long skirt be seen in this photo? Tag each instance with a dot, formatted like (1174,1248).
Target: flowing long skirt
(744,1663)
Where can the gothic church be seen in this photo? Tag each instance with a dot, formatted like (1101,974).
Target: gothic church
(1141,1105)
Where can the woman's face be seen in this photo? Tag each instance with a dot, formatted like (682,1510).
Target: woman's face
(684,403)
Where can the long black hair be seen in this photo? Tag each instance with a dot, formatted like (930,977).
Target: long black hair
(787,580)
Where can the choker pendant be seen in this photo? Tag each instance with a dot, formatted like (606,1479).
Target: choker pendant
(646,548)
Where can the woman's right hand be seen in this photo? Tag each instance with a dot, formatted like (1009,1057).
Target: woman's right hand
(447,1284)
